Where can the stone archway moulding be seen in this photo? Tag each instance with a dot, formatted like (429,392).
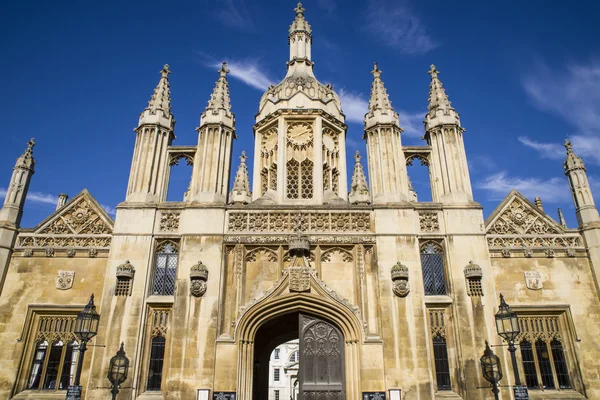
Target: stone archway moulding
(320,302)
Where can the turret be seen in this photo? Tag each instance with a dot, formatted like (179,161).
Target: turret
(385,157)
(148,180)
(449,171)
(12,210)
(575,171)
(212,163)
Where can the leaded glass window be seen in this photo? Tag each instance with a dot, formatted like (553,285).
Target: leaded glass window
(157,357)
(542,354)
(55,355)
(437,322)
(165,269)
(432,264)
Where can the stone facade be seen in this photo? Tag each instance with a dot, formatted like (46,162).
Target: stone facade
(199,291)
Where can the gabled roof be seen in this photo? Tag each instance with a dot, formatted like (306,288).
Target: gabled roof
(81,215)
(518,216)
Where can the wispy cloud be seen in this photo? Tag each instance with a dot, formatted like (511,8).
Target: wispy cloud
(355,107)
(572,93)
(109,210)
(397,26)
(236,15)
(553,151)
(553,190)
(35,197)
(250,71)
(412,123)
(329,6)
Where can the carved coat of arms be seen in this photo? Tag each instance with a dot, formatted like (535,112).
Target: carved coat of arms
(533,280)
(299,279)
(64,280)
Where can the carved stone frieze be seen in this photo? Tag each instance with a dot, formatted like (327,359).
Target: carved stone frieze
(428,222)
(311,222)
(169,221)
(284,239)
(79,241)
(518,218)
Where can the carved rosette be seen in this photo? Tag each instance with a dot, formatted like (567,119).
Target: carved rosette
(400,285)
(428,222)
(169,222)
(198,278)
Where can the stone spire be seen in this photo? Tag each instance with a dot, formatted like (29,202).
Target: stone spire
(380,106)
(561,219)
(440,111)
(585,209)
(218,109)
(12,211)
(159,107)
(359,190)
(241,186)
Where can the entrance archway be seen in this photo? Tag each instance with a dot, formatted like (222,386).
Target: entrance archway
(321,353)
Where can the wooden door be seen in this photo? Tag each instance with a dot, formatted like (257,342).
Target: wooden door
(321,373)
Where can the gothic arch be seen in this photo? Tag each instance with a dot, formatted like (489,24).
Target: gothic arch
(347,254)
(318,302)
(272,253)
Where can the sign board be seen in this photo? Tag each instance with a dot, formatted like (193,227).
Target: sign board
(373,396)
(521,392)
(74,393)
(223,395)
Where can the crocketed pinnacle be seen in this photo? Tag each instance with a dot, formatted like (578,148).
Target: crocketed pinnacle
(161,99)
(218,110)
(26,159)
(438,100)
(242,183)
(380,106)
(561,219)
(299,24)
(359,190)
(572,161)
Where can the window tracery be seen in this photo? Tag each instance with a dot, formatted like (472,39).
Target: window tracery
(165,268)
(437,324)
(432,264)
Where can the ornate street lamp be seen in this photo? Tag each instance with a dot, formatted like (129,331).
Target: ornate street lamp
(490,367)
(117,371)
(507,325)
(86,327)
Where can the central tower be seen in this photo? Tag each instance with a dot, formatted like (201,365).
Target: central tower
(300,134)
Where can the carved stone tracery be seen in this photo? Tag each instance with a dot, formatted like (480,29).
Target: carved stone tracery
(311,222)
(429,222)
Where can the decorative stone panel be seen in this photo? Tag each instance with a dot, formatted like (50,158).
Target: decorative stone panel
(428,222)
(342,222)
(169,221)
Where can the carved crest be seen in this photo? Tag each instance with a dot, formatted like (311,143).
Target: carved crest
(533,280)
(64,280)
(299,279)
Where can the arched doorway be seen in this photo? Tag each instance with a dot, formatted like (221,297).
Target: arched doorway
(321,356)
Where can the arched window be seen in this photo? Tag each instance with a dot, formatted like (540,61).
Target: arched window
(294,357)
(157,356)
(38,364)
(165,269)
(432,264)
(52,365)
(543,357)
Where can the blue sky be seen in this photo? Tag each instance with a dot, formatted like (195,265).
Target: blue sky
(523,76)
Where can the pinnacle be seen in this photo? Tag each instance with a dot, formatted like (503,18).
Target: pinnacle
(359,190)
(29,149)
(379,99)
(568,146)
(572,161)
(161,99)
(437,95)
(219,99)
(299,24)
(242,183)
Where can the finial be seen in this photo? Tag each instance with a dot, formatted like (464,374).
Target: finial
(376,71)
(357,156)
(223,71)
(243,157)
(568,146)
(433,71)
(164,72)
(299,9)
(29,149)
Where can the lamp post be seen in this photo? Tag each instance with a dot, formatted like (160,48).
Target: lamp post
(86,327)
(117,371)
(490,367)
(507,325)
